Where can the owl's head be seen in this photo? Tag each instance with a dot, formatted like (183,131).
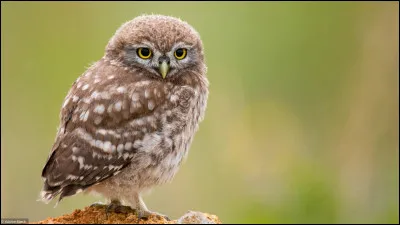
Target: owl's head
(162,45)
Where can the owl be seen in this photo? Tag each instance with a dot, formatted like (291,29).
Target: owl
(128,121)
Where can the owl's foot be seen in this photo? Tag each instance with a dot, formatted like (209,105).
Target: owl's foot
(115,206)
(146,214)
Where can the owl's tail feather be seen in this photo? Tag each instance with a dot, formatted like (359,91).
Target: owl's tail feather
(46,197)
(48,192)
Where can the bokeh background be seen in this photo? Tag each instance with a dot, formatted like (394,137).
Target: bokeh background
(301,124)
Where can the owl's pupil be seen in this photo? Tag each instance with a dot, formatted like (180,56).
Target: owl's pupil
(179,52)
(145,51)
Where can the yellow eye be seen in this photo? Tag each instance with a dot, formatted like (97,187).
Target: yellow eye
(144,53)
(180,53)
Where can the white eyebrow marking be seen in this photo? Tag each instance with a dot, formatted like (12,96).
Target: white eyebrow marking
(181,45)
(144,44)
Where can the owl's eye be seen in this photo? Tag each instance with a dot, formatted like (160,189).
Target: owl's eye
(180,53)
(144,53)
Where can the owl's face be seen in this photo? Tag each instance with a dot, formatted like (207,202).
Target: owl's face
(161,63)
(164,46)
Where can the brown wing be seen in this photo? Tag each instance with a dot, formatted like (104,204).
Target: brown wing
(101,118)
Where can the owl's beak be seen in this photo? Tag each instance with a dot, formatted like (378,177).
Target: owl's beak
(164,67)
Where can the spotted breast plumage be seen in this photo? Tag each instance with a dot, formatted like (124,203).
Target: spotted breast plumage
(127,123)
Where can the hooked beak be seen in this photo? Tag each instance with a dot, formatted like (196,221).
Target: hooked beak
(163,67)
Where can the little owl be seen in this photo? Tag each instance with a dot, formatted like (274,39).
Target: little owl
(127,123)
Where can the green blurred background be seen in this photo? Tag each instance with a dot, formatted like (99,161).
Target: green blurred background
(302,118)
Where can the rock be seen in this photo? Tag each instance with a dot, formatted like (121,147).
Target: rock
(194,217)
(97,215)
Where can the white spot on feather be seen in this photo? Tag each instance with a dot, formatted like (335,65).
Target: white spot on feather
(72,177)
(174,98)
(126,155)
(118,106)
(98,120)
(113,133)
(86,86)
(99,109)
(138,122)
(102,131)
(128,145)
(134,106)
(121,89)
(135,96)
(151,105)
(81,160)
(120,148)
(111,167)
(99,144)
(82,115)
(87,167)
(107,146)
(85,116)
(146,93)
(87,100)
(137,144)
(75,98)
(95,95)
(156,92)
(66,102)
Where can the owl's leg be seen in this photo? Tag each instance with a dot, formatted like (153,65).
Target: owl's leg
(143,212)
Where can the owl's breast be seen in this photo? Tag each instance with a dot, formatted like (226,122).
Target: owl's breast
(159,152)
(163,151)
